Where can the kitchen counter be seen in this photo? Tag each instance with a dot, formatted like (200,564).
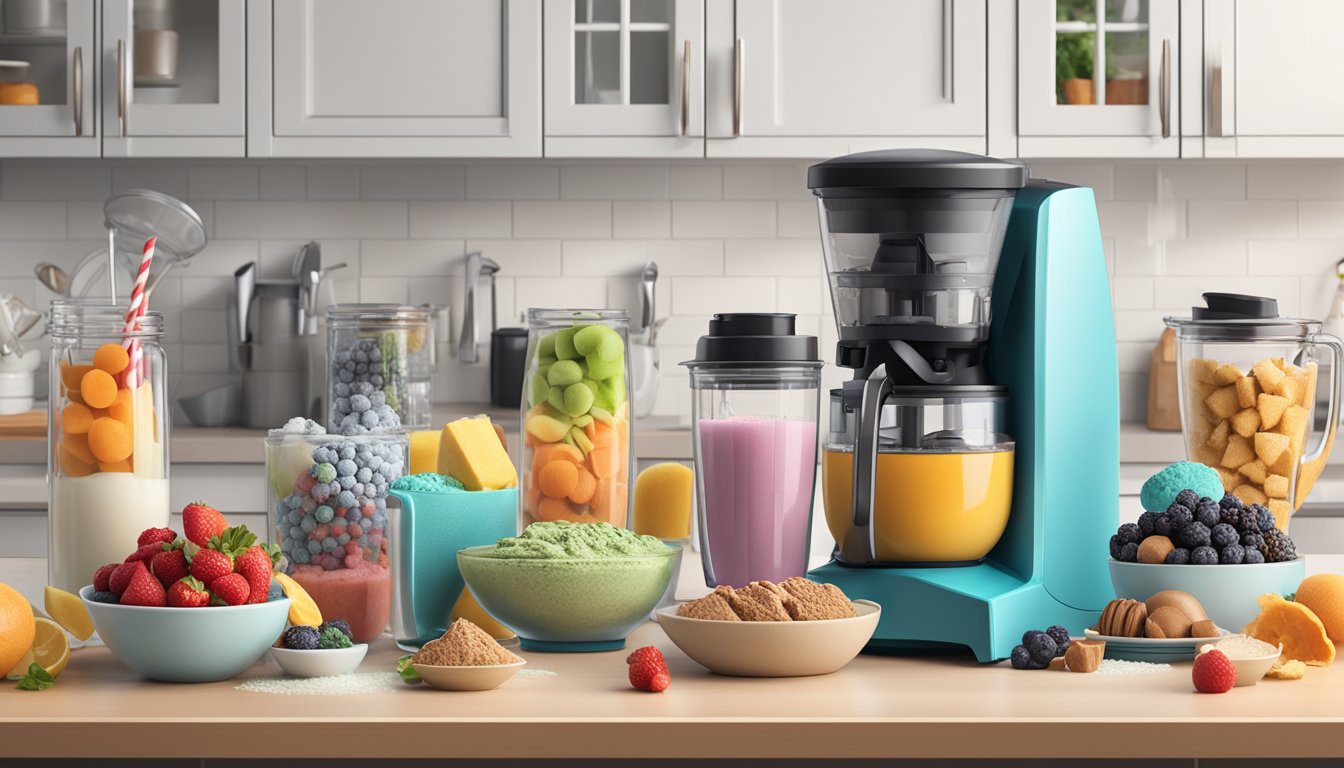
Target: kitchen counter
(877,707)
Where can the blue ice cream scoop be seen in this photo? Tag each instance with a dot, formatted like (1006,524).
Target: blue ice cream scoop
(1160,490)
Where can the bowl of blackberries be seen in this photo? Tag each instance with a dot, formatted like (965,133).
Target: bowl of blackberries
(323,651)
(1224,552)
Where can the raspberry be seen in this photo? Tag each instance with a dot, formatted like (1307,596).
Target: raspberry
(1213,672)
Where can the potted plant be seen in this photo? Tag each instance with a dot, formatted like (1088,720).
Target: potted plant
(1075,53)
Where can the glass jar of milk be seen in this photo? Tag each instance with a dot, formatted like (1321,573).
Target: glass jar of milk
(107,436)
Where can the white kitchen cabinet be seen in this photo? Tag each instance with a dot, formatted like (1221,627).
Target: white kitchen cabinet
(56,45)
(1097,78)
(394,78)
(193,109)
(624,78)
(817,78)
(1271,69)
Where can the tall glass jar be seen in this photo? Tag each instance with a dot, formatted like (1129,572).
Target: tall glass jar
(380,357)
(576,449)
(107,437)
(327,496)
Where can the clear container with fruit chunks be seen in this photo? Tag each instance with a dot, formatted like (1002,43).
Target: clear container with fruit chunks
(108,436)
(576,447)
(327,496)
(381,365)
(1248,387)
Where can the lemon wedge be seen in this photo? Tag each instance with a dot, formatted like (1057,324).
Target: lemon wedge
(68,611)
(51,648)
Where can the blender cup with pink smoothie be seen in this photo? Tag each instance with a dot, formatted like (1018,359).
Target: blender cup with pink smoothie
(754,421)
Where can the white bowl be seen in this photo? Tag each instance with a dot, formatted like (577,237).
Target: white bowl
(16,384)
(1250,671)
(1227,592)
(10,406)
(483,678)
(323,662)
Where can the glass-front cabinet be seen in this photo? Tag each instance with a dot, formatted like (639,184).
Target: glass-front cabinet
(48,61)
(174,77)
(1101,72)
(624,77)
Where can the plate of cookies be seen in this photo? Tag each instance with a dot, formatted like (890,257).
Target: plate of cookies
(1169,626)
(795,628)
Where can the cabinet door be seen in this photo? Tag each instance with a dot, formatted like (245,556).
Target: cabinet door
(627,69)
(465,74)
(173,78)
(1099,75)
(49,49)
(822,77)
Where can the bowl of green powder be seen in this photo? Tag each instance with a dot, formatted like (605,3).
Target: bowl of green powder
(570,586)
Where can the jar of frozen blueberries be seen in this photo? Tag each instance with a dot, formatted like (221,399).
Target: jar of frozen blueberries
(381,364)
(327,496)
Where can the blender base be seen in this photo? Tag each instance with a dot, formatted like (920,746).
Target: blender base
(982,608)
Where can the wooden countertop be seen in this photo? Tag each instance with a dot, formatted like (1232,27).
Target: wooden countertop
(877,707)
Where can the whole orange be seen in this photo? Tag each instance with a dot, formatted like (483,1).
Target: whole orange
(1324,595)
(17,627)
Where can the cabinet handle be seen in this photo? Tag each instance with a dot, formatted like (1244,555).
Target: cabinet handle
(121,86)
(947,50)
(686,88)
(739,59)
(78,67)
(1164,86)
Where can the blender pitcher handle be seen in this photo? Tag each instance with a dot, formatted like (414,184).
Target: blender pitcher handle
(1332,410)
(858,547)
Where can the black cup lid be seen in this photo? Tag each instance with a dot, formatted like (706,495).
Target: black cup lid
(1235,306)
(754,338)
(916,169)
(1237,316)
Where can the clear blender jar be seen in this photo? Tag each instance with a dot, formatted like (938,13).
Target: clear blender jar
(754,427)
(381,367)
(1247,380)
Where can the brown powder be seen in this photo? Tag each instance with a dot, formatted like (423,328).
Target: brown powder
(796,599)
(464,645)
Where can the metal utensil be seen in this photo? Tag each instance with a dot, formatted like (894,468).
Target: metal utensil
(477,266)
(52,277)
(647,280)
(309,272)
(244,290)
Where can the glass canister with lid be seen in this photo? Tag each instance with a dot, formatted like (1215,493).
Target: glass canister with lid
(381,365)
(108,428)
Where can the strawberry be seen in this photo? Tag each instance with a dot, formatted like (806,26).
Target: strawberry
(210,564)
(202,522)
(188,593)
(169,565)
(146,552)
(1213,672)
(151,535)
(144,590)
(101,576)
(648,670)
(255,565)
(230,589)
(121,576)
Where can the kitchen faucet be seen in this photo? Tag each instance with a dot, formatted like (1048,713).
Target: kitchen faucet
(477,265)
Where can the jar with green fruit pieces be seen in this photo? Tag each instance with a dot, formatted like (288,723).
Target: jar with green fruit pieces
(576,449)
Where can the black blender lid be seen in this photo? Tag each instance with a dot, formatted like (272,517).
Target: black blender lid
(1232,316)
(916,169)
(752,338)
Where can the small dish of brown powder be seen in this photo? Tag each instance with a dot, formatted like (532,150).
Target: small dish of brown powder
(465,658)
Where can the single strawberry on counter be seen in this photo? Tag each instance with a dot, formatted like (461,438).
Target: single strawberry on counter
(210,564)
(188,593)
(648,670)
(230,589)
(202,522)
(169,565)
(144,590)
(101,576)
(1213,672)
(120,578)
(255,565)
(152,535)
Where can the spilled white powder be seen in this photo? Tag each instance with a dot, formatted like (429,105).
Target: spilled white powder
(1245,647)
(535,673)
(1122,667)
(340,685)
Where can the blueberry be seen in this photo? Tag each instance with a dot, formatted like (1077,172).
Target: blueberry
(1130,533)
(360,403)
(1187,498)
(368,420)
(1232,554)
(1116,546)
(1130,553)
(1252,540)
(300,556)
(1204,556)
(276,592)
(301,638)
(308,525)
(345,499)
(1042,647)
(341,624)
(345,376)
(1061,637)
(1222,535)
(1162,524)
(1230,501)
(347,451)
(1030,633)
(346,483)
(1254,557)
(1180,516)
(342,390)
(328,544)
(1195,535)
(314,547)
(1020,657)
(323,514)
(363,475)
(1264,517)
(105,597)
(1146,523)
(1208,513)
(378,399)
(1178,556)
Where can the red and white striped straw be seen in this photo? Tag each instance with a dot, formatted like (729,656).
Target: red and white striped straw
(139,303)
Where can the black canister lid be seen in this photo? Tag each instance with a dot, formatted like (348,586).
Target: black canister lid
(754,338)
(1236,317)
(1235,306)
(916,169)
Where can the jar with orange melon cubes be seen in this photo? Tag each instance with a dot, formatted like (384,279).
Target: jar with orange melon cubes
(107,435)
(576,451)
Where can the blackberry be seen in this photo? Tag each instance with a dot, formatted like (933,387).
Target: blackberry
(1204,556)
(1249,521)
(1229,515)
(1130,553)
(1042,647)
(340,624)
(1061,637)
(1178,556)
(1278,547)
(1020,658)
(1264,518)
(1146,523)
(1187,498)
(301,638)
(1129,532)
(1232,554)
(105,597)
(1180,516)
(1208,512)
(1230,501)
(1195,535)
(1116,546)
(1253,557)
(1222,535)
(1162,524)
(1252,540)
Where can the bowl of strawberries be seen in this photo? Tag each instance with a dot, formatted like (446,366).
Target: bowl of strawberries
(195,608)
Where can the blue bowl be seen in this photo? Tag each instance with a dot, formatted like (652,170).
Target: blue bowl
(1227,592)
(188,645)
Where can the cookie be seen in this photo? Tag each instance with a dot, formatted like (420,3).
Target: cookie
(811,601)
(1123,618)
(757,603)
(713,607)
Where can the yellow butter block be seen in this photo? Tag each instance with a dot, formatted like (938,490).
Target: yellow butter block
(424,451)
(663,501)
(470,450)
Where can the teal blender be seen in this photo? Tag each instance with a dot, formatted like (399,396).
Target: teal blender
(971,471)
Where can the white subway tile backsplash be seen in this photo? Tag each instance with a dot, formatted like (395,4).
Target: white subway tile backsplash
(203,325)
(196,357)
(168,179)
(411,182)
(1205,257)
(517,257)
(628,257)
(411,258)
(641,218)
(221,258)
(20,220)
(383,290)
(1309,258)
(772,257)
(1099,176)
(201,292)
(1245,219)
(1139,324)
(559,292)
(1134,356)
(513,182)
(614,182)
(707,295)
(1128,292)
(695,182)
(1320,218)
(333,182)
(723,219)
(311,219)
(748,182)
(1181,293)
(562,219)
(1297,181)
(42,182)
(460,219)
(800,295)
(223,182)
(282,182)
(798,218)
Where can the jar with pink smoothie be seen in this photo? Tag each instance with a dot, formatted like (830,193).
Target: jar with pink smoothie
(755,386)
